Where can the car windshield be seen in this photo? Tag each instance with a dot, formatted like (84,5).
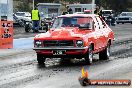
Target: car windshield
(23,14)
(20,14)
(106,12)
(72,22)
(126,14)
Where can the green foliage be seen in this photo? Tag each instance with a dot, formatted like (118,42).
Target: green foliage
(130,9)
(116,5)
(24,5)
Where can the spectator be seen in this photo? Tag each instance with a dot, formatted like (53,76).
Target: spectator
(70,11)
(98,11)
(35,18)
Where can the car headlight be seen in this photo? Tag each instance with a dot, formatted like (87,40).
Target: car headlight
(38,44)
(79,43)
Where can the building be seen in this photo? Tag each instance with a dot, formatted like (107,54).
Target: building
(49,9)
(80,7)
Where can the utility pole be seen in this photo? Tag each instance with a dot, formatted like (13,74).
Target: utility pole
(33,4)
(93,6)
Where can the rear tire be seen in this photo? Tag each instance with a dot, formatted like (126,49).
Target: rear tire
(27,28)
(89,55)
(40,59)
(105,54)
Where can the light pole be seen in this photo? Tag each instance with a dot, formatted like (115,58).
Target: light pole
(93,6)
(33,4)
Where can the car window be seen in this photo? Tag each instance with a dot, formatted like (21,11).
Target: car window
(126,14)
(129,14)
(27,14)
(20,14)
(72,22)
(123,14)
(107,12)
(96,23)
(100,23)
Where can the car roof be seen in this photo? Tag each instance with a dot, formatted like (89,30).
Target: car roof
(81,15)
(22,12)
(126,12)
(106,10)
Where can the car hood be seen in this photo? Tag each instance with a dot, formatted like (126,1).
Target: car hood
(67,32)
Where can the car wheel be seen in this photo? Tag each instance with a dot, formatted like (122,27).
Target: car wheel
(40,59)
(117,22)
(122,23)
(27,28)
(89,55)
(105,54)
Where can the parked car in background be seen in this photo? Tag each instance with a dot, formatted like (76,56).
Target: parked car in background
(124,17)
(75,36)
(48,20)
(107,13)
(87,11)
(23,16)
(17,21)
(109,17)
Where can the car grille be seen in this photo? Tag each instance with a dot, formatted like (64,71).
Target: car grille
(123,18)
(60,43)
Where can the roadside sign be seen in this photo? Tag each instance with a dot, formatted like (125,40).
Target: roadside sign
(6,34)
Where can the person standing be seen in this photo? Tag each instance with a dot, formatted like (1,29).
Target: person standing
(97,10)
(70,11)
(35,19)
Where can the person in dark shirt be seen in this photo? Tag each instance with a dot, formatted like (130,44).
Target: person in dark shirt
(70,11)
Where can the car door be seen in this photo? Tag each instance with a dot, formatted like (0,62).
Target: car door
(104,32)
(97,35)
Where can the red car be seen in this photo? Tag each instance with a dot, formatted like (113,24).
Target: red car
(75,36)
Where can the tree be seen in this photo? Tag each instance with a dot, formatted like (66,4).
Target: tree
(24,6)
(116,5)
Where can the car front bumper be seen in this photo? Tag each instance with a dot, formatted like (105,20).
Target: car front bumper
(59,52)
(61,48)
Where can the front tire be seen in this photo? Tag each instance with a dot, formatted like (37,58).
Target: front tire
(40,59)
(89,55)
(105,54)
(27,28)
